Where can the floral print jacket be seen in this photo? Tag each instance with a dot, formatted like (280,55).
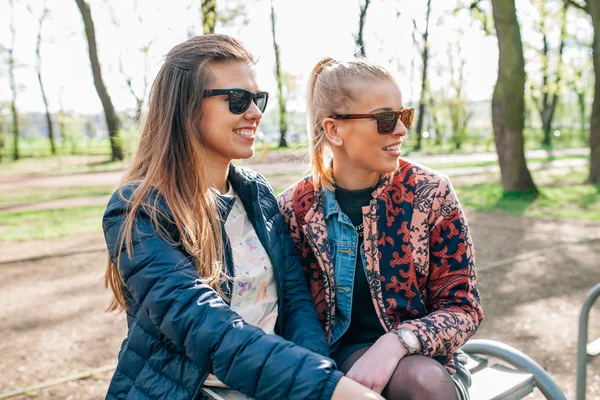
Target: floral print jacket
(420,258)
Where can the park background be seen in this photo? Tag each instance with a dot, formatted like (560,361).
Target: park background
(518,132)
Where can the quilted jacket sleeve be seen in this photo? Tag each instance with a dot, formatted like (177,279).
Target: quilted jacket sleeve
(163,281)
(452,295)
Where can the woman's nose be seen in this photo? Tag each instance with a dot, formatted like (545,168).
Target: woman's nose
(253,112)
(400,128)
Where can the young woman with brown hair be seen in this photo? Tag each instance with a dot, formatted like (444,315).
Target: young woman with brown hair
(200,259)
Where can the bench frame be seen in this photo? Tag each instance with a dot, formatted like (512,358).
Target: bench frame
(520,361)
(585,351)
(521,364)
(524,364)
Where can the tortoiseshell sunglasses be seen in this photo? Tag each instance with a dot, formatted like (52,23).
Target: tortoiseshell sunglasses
(386,121)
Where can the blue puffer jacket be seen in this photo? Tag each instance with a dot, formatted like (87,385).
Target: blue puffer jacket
(180,329)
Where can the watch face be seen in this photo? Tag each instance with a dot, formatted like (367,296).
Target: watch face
(410,339)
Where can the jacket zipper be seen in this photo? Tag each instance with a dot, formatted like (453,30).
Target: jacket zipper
(199,394)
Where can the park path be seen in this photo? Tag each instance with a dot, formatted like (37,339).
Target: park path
(286,165)
(290,162)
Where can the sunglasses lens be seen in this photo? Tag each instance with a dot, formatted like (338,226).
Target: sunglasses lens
(261,101)
(407,116)
(386,123)
(239,101)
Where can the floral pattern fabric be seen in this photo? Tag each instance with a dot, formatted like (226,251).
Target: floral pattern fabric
(254,292)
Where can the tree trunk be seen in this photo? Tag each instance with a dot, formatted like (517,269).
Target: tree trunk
(48,118)
(282,111)
(544,112)
(581,103)
(425,58)
(39,76)
(547,116)
(551,94)
(457,107)
(13,85)
(63,131)
(467,115)
(209,16)
(112,121)
(15,121)
(594,177)
(436,122)
(138,111)
(2,139)
(359,39)
(508,106)
(139,102)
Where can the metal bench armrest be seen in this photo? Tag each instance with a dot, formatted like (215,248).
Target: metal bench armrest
(519,360)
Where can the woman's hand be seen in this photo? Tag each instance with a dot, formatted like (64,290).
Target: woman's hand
(375,368)
(349,389)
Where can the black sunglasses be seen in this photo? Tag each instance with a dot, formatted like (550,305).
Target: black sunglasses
(240,99)
(386,121)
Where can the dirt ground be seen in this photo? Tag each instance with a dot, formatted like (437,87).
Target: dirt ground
(533,276)
(53,323)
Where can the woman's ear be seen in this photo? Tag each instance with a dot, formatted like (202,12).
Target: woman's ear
(330,128)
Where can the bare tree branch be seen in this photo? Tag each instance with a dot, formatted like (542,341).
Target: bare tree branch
(360,43)
(209,16)
(584,7)
(38,68)
(13,83)
(282,101)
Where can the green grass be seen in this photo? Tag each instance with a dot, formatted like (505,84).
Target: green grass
(50,224)
(61,165)
(575,200)
(77,143)
(33,195)
(562,195)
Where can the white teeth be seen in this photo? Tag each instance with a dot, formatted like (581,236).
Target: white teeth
(394,147)
(244,132)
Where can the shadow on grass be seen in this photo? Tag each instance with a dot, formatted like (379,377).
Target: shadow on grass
(516,202)
(570,198)
(491,197)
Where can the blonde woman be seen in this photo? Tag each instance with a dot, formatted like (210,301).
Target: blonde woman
(383,242)
(200,259)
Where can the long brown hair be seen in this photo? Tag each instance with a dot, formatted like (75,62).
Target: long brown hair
(169,159)
(332,85)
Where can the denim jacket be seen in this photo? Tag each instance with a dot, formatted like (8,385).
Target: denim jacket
(343,240)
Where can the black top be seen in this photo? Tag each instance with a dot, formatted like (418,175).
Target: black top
(364,323)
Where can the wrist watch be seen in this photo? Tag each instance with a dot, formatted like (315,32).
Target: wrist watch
(409,340)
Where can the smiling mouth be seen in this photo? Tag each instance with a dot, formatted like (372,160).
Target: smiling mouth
(393,147)
(247,133)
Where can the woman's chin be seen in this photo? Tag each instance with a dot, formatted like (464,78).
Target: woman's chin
(244,154)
